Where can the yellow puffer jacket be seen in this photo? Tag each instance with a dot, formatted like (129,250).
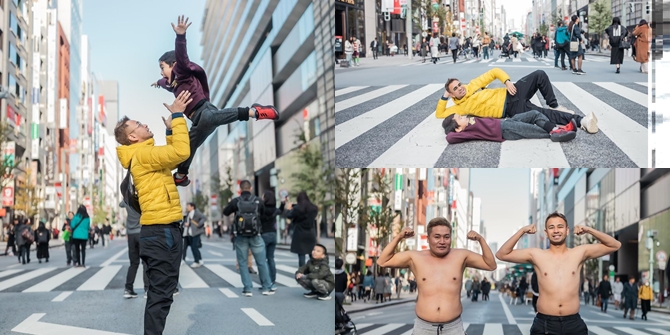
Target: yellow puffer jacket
(485,103)
(645,293)
(151,171)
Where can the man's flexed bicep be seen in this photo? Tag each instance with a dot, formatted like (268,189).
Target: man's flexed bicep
(486,79)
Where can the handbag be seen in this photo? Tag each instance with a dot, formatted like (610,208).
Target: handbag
(624,44)
(574,45)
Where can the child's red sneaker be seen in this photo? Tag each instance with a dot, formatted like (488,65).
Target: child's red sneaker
(265,112)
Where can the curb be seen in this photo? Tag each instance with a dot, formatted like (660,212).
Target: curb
(404,301)
(33,247)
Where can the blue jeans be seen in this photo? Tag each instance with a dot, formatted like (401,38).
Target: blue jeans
(486,52)
(301,259)
(604,302)
(257,246)
(270,240)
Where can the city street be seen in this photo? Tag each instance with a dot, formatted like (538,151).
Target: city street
(51,298)
(498,317)
(385,114)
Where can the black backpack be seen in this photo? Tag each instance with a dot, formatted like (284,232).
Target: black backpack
(247,217)
(129,192)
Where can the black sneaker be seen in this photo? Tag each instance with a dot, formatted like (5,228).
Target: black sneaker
(581,72)
(252,271)
(129,294)
(183,181)
(323,297)
(176,292)
(310,294)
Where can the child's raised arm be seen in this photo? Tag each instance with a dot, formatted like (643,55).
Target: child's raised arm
(180,44)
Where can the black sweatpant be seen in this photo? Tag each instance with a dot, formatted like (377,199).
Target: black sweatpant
(526,88)
(160,249)
(134,256)
(79,245)
(558,325)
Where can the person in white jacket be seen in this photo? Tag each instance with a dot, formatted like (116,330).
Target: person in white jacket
(349,49)
(617,289)
(434,48)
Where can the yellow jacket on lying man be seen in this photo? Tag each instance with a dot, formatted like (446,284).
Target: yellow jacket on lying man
(485,103)
(151,171)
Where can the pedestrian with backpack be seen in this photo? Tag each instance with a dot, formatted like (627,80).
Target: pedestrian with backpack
(42,237)
(247,227)
(23,234)
(303,219)
(80,229)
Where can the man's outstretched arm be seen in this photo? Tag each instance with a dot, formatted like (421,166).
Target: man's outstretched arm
(485,261)
(607,245)
(390,259)
(507,252)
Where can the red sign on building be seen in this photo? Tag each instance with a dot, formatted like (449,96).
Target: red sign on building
(8,197)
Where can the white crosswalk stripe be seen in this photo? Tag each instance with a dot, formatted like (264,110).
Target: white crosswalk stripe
(369,138)
(498,329)
(495,60)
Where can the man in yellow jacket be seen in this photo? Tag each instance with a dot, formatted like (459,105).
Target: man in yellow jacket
(160,237)
(477,100)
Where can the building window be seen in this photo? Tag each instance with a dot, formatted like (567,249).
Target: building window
(13,86)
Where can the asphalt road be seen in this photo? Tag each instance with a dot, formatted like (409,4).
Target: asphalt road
(384,115)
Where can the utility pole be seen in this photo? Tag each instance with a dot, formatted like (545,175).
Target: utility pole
(408,29)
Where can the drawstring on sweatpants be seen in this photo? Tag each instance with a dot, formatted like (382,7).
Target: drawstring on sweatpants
(440,328)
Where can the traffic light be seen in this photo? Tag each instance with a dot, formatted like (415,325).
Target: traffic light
(632,8)
(648,7)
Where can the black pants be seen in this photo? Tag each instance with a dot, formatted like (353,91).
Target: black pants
(535,302)
(192,241)
(79,245)
(646,307)
(160,249)
(558,325)
(68,251)
(134,256)
(454,53)
(375,54)
(24,252)
(526,88)
(205,121)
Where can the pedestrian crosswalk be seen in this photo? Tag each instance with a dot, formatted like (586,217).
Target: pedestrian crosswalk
(395,126)
(495,60)
(49,279)
(503,329)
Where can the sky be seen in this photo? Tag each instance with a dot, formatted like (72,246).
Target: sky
(515,9)
(505,195)
(126,39)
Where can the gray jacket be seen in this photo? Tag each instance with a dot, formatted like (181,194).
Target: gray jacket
(133,220)
(197,223)
(18,231)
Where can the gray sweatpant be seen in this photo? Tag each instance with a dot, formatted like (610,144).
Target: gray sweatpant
(531,124)
(422,327)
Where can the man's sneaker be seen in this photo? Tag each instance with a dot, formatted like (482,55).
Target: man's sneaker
(247,293)
(564,109)
(129,294)
(581,72)
(196,265)
(310,294)
(270,292)
(323,297)
(590,123)
(145,295)
(562,135)
(575,71)
(265,112)
(183,181)
(176,292)
(273,287)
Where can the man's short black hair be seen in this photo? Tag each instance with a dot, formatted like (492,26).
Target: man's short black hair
(322,247)
(555,215)
(339,263)
(449,124)
(245,185)
(449,81)
(169,58)
(192,204)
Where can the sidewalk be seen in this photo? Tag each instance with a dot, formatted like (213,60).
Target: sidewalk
(327,242)
(360,306)
(53,243)
(369,62)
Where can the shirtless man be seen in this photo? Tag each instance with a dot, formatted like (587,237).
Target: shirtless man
(439,276)
(558,270)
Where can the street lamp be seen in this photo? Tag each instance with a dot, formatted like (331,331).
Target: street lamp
(650,246)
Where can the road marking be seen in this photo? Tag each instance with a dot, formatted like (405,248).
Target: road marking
(257,317)
(101,279)
(465,326)
(32,325)
(643,83)
(493,329)
(113,258)
(351,102)
(8,273)
(530,60)
(385,329)
(524,328)
(351,129)
(625,92)
(139,278)
(286,268)
(510,318)
(228,293)
(62,296)
(631,331)
(516,60)
(349,90)
(520,66)
(24,277)
(55,281)
(532,152)
(660,331)
(215,253)
(421,146)
(189,279)
(599,331)
(628,135)
(286,280)
(228,275)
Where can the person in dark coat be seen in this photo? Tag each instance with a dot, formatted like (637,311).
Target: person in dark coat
(11,241)
(604,291)
(269,229)
(616,33)
(523,287)
(629,295)
(486,288)
(42,237)
(303,218)
(476,288)
(21,242)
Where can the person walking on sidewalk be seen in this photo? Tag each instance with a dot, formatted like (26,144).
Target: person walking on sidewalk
(576,56)
(303,219)
(106,230)
(587,288)
(11,238)
(368,284)
(646,295)
(630,295)
(380,287)
(486,288)
(67,236)
(193,226)
(642,45)
(248,208)
(133,229)
(454,43)
(617,289)
(23,234)
(373,46)
(617,34)
(161,213)
(80,226)
(476,288)
(42,237)
(486,43)
(269,229)
(604,291)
